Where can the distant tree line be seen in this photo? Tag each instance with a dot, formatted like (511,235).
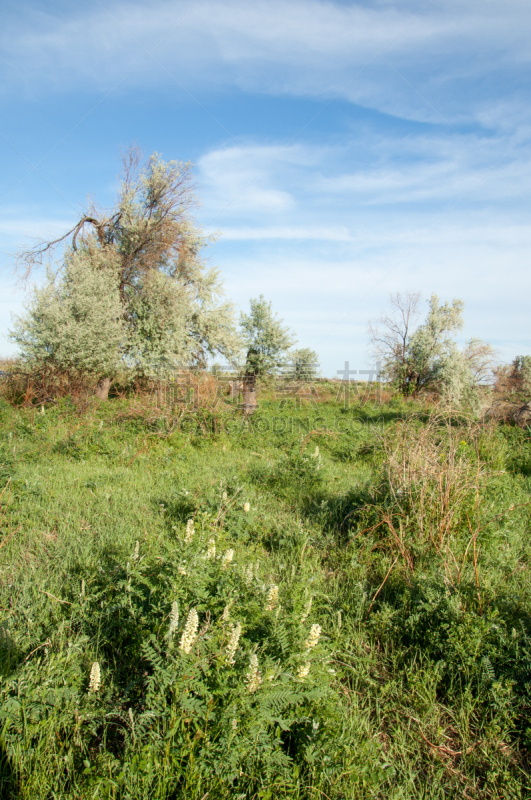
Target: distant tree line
(130,289)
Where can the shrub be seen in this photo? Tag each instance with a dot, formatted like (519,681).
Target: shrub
(432,497)
(184,675)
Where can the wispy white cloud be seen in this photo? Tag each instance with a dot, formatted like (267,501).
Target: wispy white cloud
(307,47)
(244,179)
(326,230)
(403,217)
(434,182)
(323,185)
(329,300)
(25,228)
(289,233)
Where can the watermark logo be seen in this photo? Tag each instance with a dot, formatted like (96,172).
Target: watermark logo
(360,391)
(296,384)
(225,388)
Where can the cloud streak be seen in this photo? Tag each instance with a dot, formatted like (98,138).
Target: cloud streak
(252,181)
(307,47)
(412,214)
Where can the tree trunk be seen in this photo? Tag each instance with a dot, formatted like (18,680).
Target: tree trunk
(249,394)
(102,389)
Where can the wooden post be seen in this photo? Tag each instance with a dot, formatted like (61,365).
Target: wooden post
(250,403)
(102,389)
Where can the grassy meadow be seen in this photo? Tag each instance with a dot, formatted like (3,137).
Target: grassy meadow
(347,615)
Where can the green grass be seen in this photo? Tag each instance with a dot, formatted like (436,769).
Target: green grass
(420,683)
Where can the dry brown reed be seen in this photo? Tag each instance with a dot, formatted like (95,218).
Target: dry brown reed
(24,387)
(431,501)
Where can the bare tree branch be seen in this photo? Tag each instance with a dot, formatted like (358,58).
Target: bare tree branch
(390,333)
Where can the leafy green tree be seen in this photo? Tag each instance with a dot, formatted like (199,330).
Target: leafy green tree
(521,375)
(303,364)
(172,305)
(267,340)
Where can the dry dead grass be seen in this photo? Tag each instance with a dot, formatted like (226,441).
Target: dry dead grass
(433,487)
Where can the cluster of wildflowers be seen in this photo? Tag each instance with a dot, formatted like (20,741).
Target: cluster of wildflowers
(248,574)
(272,598)
(313,638)
(246,507)
(227,559)
(236,632)
(211,551)
(303,670)
(189,535)
(190,631)
(174,619)
(95,678)
(136,552)
(254,676)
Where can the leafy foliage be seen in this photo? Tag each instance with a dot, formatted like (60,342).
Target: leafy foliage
(513,382)
(368,679)
(266,339)
(134,288)
(426,357)
(304,364)
(75,322)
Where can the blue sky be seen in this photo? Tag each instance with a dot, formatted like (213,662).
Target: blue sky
(342,150)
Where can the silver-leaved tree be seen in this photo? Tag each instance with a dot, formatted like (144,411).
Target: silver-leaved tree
(131,287)
(426,357)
